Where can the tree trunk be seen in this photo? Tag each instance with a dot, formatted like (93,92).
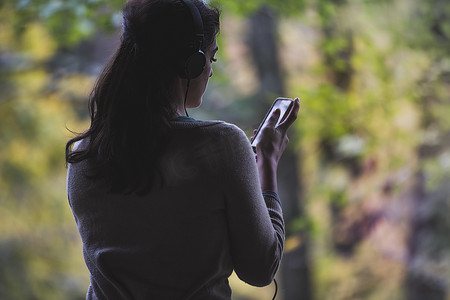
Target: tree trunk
(295,271)
(295,268)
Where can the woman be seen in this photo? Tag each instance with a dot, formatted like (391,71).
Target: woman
(168,206)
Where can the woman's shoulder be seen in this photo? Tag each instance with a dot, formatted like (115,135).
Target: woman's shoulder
(231,135)
(224,129)
(216,130)
(210,125)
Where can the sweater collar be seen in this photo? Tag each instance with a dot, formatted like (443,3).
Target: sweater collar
(183,118)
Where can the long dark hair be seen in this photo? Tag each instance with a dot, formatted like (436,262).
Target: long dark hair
(129,105)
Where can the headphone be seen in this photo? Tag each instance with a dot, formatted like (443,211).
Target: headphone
(195,60)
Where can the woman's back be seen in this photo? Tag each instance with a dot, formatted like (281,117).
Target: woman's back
(203,217)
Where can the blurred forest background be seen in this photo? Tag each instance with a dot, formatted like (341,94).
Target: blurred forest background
(366,181)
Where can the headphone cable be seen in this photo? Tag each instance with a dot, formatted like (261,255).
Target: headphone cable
(185,97)
(276,289)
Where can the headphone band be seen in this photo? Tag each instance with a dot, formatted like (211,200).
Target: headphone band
(197,22)
(194,62)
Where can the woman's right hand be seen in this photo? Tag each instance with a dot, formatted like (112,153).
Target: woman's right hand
(274,140)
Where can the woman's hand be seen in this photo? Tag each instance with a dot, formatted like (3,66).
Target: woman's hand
(271,146)
(274,140)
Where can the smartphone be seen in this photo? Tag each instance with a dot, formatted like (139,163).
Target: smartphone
(284,104)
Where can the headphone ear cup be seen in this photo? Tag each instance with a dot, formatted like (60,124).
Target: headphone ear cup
(194,65)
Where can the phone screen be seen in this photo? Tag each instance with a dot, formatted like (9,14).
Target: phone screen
(281,103)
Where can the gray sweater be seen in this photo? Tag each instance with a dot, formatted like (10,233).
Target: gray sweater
(184,239)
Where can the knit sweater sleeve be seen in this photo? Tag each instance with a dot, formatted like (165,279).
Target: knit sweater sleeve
(255,219)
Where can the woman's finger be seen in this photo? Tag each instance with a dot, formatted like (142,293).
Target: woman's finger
(273,119)
(253,136)
(291,117)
